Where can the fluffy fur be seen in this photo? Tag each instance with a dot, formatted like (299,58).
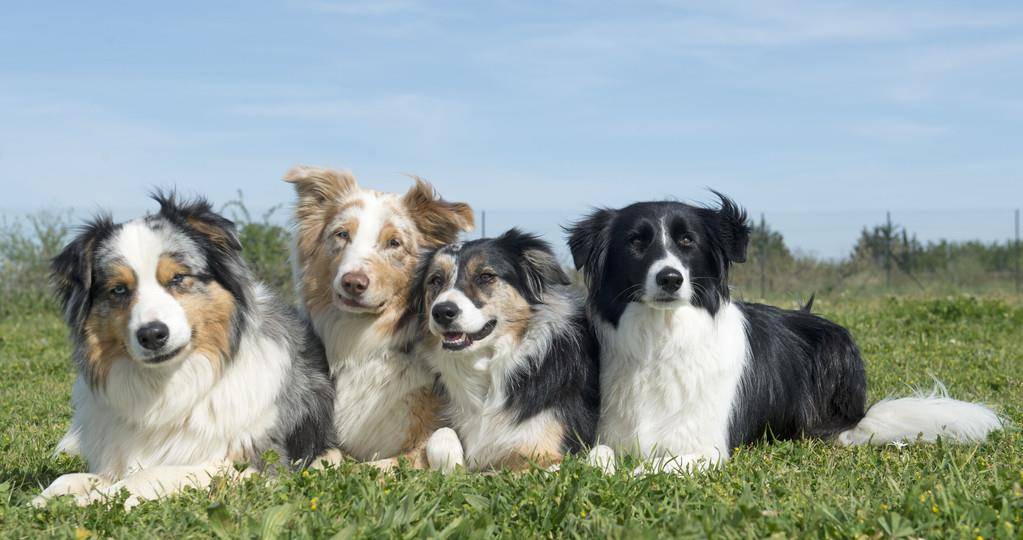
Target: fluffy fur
(185,363)
(355,251)
(687,373)
(516,357)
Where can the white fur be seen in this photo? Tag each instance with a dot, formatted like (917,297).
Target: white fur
(651,290)
(668,382)
(476,380)
(141,247)
(470,318)
(375,383)
(180,413)
(444,451)
(925,418)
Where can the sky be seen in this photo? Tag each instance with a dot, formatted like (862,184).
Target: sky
(821,116)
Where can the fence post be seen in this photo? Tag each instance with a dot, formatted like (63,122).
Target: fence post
(483,225)
(763,257)
(888,251)
(1017,253)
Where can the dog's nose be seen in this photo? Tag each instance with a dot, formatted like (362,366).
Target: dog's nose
(153,336)
(669,280)
(355,283)
(445,312)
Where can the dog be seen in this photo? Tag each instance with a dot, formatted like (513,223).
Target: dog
(355,251)
(688,373)
(186,364)
(517,360)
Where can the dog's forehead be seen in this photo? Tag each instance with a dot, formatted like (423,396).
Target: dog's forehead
(141,242)
(657,213)
(373,208)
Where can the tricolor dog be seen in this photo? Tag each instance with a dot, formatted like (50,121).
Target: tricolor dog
(355,252)
(186,364)
(688,373)
(508,335)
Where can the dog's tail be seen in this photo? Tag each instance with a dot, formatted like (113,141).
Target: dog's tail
(924,418)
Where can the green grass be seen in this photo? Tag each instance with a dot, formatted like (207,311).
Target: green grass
(806,488)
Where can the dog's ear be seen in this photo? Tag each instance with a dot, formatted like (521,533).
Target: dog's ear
(537,266)
(316,188)
(316,185)
(588,240)
(197,215)
(71,270)
(438,220)
(735,229)
(215,235)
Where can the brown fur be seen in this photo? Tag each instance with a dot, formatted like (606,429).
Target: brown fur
(106,325)
(209,310)
(544,452)
(325,194)
(439,221)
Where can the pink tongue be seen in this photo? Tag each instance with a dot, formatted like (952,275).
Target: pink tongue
(453,337)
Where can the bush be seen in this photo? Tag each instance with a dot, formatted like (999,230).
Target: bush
(25,258)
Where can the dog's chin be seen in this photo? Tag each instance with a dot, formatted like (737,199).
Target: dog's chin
(464,341)
(164,359)
(665,302)
(349,305)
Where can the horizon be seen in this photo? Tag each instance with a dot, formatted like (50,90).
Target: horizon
(821,117)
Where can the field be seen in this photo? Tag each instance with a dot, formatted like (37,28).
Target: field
(785,489)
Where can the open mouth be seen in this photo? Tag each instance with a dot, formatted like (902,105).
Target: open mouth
(456,341)
(159,359)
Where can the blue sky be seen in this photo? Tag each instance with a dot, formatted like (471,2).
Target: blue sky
(821,115)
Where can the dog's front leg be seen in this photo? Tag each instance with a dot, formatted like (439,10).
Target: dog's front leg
(158,482)
(84,487)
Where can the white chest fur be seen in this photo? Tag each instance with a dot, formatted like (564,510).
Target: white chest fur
(489,432)
(669,380)
(182,414)
(377,387)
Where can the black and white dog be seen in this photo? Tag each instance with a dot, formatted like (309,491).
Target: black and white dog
(186,364)
(687,373)
(507,333)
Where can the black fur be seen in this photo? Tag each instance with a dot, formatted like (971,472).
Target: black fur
(73,272)
(805,376)
(614,249)
(565,378)
(305,429)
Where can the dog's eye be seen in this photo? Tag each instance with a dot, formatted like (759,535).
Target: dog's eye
(686,241)
(343,234)
(638,241)
(394,243)
(436,280)
(119,290)
(486,278)
(178,279)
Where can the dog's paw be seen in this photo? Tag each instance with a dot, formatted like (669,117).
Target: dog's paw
(602,457)
(444,451)
(84,487)
(330,458)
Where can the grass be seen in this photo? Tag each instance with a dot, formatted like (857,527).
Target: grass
(783,489)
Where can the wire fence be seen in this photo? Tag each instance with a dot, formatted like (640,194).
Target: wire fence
(796,254)
(791,254)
